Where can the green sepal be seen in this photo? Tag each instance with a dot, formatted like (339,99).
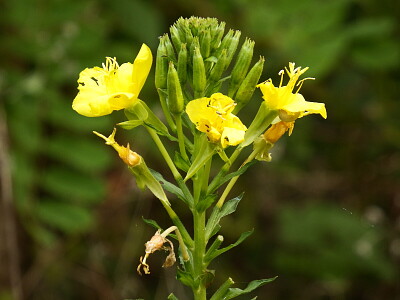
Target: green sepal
(180,162)
(208,277)
(205,202)
(172,297)
(129,125)
(140,111)
(203,155)
(218,213)
(218,252)
(235,292)
(262,120)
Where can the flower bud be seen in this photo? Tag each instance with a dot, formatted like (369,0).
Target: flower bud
(175,96)
(205,43)
(233,43)
(226,41)
(182,64)
(199,74)
(176,40)
(216,35)
(219,67)
(169,47)
(241,67)
(161,66)
(248,85)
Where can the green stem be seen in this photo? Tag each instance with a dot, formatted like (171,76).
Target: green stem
(171,165)
(178,223)
(181,137)
(233,180)
(199,224)
(164,106)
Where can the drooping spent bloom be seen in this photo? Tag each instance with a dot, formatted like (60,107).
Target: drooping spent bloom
(291,105)
(277,130)
(214,117)
(112,87)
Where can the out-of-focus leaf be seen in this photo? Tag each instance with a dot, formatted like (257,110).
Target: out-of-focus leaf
(73,186)
(66,217)
(86,154)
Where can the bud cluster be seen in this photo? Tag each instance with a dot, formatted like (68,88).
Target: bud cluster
(196,57)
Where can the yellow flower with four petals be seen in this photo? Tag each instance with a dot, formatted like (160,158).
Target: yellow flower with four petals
(112,87)
(290,105)
(214,117)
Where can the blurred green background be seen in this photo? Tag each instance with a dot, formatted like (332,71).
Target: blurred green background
(326,210)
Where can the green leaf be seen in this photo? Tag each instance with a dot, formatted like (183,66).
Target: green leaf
(228,177)
(185,277)
(235,292)
(205,202)
(152,223)
(130,124)
(203,155)
(218,213)
(172,297)
(87,154)
(180,162)
(64,216)
(218,252)
(168,186)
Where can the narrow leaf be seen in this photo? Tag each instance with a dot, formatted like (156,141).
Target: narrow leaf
(203,155)
(152,223)
(205,202)
(235,292)
(218,213)
(130,124)
(168,186)
(242,237)
(185,277)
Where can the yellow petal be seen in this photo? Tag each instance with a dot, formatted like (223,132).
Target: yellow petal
(232,137)
(91,105)
(299,104)
(141,68)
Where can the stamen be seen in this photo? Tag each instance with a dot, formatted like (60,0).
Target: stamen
(281,73)
(300,83)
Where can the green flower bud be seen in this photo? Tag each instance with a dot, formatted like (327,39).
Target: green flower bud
(161,66)
(175,96)
(205,43)
(216,35)
(199,74)
(182,64)
(176,40)
(219,67)
(234,42)
(248,85)
(225,43)
(241,67)
(169,47)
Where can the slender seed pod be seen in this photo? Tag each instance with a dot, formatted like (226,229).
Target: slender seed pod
(199,74)
(182,64)
(248,85)
(241,66)
(175,96)
(161,66)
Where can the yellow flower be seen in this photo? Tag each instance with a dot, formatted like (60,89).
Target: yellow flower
(290,105)
(214,117)
(112,87)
